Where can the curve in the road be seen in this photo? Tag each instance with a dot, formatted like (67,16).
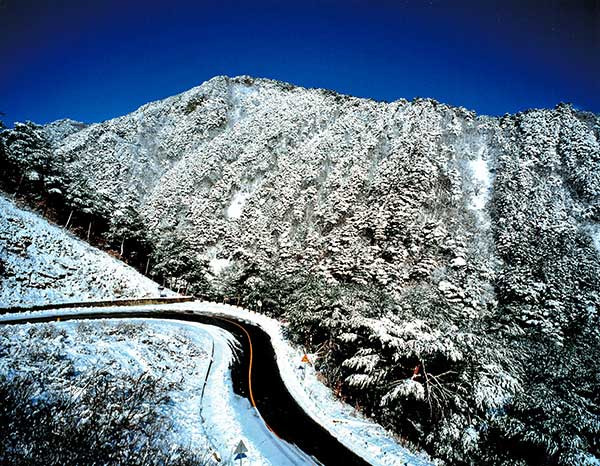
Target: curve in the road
(256,377)
(251,357)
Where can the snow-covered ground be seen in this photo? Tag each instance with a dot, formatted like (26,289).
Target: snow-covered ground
(178,354)
(42,263)
(230,417)
(169,351)
(482,180)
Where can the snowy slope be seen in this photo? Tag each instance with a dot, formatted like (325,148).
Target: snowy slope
(272,170)
(41,263)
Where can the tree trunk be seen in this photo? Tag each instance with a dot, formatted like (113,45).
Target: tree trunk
(19,185)
(122,246)
(89,231)
(147,265)
(69,219)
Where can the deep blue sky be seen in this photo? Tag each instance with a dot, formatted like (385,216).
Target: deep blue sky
(93,60)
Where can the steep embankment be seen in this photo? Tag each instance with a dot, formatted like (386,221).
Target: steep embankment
(432,254)
(41,263)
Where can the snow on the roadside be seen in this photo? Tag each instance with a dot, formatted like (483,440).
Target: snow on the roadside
(229,418)
(155,348)
(179,353)
(361,435)
(44,263)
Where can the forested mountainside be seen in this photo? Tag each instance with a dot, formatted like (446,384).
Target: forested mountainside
(446,265)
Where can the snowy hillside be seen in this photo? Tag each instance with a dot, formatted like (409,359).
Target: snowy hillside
(429,253)
(41,263)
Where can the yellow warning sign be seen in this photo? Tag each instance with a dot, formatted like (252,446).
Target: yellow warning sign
(305,359)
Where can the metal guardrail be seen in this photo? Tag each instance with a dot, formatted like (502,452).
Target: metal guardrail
(105,303)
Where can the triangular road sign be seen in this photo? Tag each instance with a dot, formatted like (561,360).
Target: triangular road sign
(305,359)
(240,449)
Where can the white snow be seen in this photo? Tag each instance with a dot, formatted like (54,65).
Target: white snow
(594,232)
(240,96)
(241,196)
(215,423)
(363,436)
(45,263)
(458,262)
(237,203)
(170,351)
(218,265)
(483,180)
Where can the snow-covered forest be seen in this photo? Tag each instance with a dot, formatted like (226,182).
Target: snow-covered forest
(446,265)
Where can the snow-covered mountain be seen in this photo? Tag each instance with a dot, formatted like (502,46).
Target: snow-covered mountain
(433,254)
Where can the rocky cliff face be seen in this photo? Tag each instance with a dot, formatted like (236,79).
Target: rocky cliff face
(432,252)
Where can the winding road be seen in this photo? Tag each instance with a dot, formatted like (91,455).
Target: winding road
(255,376)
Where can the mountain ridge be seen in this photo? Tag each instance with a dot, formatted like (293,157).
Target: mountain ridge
(284,85)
